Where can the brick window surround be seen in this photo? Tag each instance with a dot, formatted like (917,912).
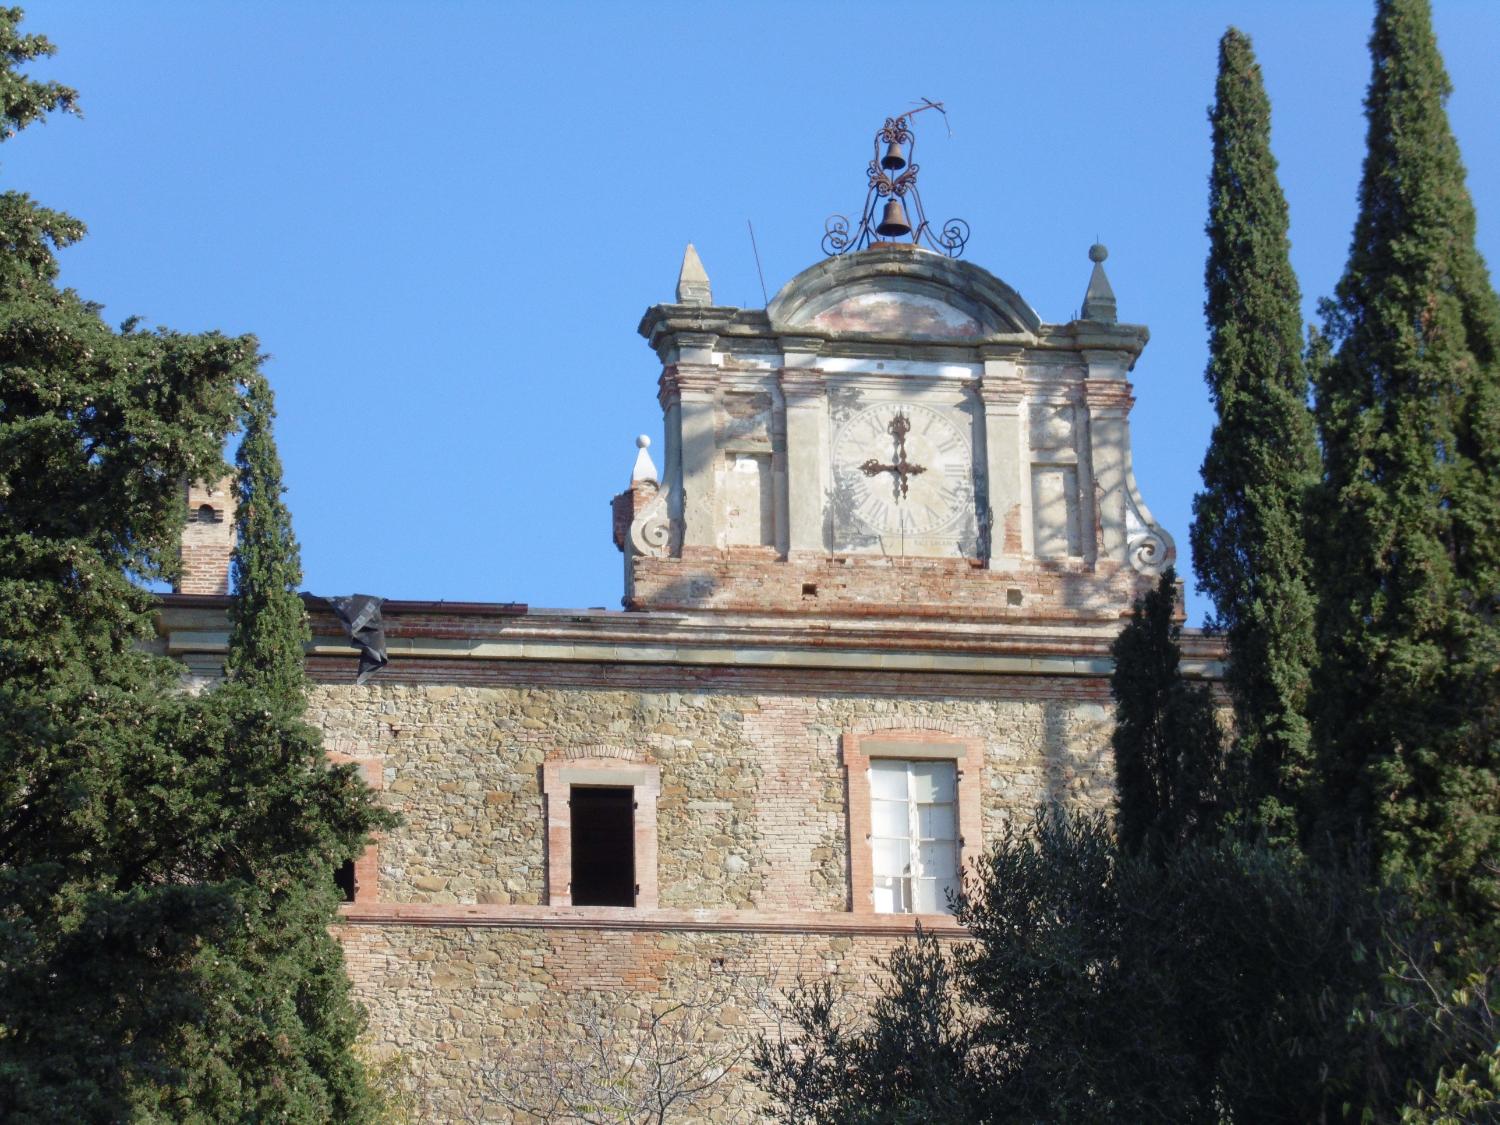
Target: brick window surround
(967,755)
(558,779)
(367,864)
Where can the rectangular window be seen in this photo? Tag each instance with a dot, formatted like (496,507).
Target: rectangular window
(913,835)
(601,830)
(603,839)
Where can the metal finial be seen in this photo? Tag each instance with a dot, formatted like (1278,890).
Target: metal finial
(892,177)
(1098,252)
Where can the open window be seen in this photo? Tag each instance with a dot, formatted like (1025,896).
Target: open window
(345,879)
(358,879)
(603,829)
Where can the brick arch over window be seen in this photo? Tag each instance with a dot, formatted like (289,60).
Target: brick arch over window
(914,725)
(599,766)
(597,751)
(913,740)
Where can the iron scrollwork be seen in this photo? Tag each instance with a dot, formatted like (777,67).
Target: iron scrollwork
(836,235)
(900,468)
(892,180)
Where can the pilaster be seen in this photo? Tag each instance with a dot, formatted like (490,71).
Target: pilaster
(1002,394)
(668,394)
(689,392)
(1106,403)
(806,397)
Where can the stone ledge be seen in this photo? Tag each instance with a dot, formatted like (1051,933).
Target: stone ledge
(188,626)
(645,921)
(404,648)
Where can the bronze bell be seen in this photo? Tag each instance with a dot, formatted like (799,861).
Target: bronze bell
(892,160)
(893,223)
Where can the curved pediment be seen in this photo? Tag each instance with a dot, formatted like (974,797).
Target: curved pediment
(896,291)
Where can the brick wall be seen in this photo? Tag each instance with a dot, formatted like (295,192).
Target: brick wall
(754,580)
(745,728)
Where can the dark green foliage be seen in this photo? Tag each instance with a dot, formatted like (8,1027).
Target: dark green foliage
(268,622)
(165,858)
(1129,990)
(908,1063)
(1408,698)
(23,101)
(1249,547)
(277,1043)
(1168,746)
(1232,983)
(99,937)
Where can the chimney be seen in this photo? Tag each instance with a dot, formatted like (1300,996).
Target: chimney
(208,538)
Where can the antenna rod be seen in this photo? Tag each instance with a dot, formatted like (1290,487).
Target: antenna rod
(756,251)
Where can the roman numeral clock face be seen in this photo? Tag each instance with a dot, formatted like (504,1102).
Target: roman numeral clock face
(903,470)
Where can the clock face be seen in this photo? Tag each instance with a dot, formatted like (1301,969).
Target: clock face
(904,469)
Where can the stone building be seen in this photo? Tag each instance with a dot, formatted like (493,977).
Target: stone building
(869,598)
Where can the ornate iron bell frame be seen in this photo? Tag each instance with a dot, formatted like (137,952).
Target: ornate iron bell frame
(889,180)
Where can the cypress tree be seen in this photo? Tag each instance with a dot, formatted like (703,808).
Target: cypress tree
(1249,547)
(1408,408)
(268,625)
(1167,743)
(277,1045)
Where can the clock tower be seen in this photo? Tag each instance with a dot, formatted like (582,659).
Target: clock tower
(896,433)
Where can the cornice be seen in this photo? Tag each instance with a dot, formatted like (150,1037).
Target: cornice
(192,625)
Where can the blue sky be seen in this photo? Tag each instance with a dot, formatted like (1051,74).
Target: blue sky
(443,221)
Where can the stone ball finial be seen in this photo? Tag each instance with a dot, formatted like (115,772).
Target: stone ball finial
(1098,252)
(645,468)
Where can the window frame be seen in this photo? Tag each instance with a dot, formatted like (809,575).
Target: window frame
(558,779)
(367,863)
(907,887)
(967,756)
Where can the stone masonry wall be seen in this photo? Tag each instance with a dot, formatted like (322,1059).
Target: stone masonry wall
(465,1010)
(752,812)
(752,824)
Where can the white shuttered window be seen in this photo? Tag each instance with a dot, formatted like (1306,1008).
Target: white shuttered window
(913,835)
